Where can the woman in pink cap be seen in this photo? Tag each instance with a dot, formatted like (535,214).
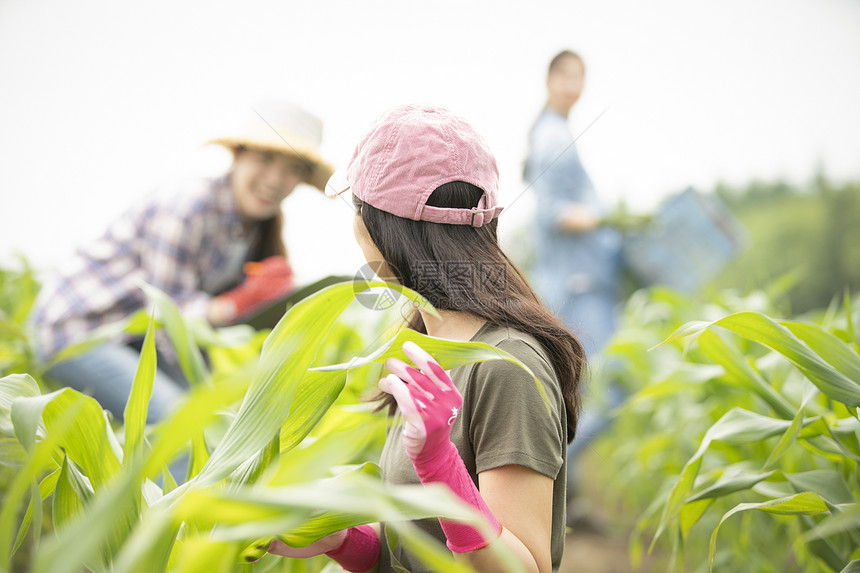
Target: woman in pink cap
(424,184)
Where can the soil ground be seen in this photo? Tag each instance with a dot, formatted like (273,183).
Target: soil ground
(596,553)
(602,543)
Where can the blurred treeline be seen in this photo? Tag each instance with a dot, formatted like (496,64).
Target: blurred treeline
(808,236)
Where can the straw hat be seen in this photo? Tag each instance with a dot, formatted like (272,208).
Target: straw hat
(283,127)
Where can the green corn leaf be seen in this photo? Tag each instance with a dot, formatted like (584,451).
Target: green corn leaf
(691,513)
(137,406)
(187,351)
(287,353)
(429,550)
(243,512)
(689,329)
(12,387)
(115,504)
(852,567)
(46,488)
(40,459)
(12,453)
(679,494)
(829,347)
(824,549)
(86,443)
(644,521)
(392,539)
(168,484)
(332,520)
(101,528)
(736,426)
(845,520)
(789,438)
(408,501)
(149,547)
(806,503)
(199,455)
(739,426)
(316,393)
(846,433)
(202,555)
(849,320)
(72,495)
(349,499)
(813,428)
(824,445)
(764,330)
(200,405)
(315,460)
(731,483)
(25,414)
(255,550)
(841,440)
(450,354)
(828,484)
(36,503)
(251,470)
(743,373)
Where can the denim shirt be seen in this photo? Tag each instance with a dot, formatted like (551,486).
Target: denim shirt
(566,263)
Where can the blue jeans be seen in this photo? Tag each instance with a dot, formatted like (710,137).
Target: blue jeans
(591,316)
(595,419)
(106,373)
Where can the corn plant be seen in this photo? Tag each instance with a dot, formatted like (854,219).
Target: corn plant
(18,290)
(277,441)
(752,438)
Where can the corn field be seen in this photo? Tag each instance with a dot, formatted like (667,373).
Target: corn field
(740,440)
(737,449)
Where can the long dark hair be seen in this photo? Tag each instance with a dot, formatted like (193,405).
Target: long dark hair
(499,293)
(270,239)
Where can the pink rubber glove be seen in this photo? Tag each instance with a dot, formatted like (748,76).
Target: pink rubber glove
(265,282)
(356,549)
(430,404)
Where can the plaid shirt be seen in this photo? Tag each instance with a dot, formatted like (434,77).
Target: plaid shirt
(183,240)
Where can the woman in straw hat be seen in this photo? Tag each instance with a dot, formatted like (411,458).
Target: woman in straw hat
(425,188)
(214,245)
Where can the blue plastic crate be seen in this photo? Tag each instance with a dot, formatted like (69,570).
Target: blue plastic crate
(692,238)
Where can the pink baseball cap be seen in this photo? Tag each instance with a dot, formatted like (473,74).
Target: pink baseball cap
(408,153)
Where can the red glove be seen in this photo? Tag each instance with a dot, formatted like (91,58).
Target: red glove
(265,281)
(430,404)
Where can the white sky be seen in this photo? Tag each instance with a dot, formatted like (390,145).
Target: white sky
(101,101)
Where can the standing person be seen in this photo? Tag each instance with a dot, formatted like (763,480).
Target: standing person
(577,259)
(425,188)
(214,245)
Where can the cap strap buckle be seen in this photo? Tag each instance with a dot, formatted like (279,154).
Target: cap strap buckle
(480,219)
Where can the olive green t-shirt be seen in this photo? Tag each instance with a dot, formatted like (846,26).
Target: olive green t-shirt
(503,421)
